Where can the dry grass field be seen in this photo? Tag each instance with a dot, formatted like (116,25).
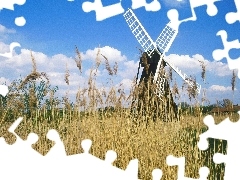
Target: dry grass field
(108,129)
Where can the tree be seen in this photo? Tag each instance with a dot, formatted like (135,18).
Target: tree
(226,103)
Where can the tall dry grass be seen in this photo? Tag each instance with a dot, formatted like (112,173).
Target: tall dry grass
(109,128)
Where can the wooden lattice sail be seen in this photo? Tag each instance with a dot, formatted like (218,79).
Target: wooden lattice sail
(154,64)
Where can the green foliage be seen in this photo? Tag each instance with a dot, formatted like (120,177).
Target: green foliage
(25,100)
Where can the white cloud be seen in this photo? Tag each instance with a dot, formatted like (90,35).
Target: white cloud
(112,54)
(129,69)
(219,88)
(191,65)
(5,80)
(56,78)
(60,61)
(43,62)
(219,92)
(24,59)
(219,68)
(131,64)
(184,62)
(4,47)
(55,67)
(126,84)
(4,30)
(94,71)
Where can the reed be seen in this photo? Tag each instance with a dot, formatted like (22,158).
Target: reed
(103,117)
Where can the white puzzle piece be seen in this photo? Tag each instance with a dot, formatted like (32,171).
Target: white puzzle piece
(11,47)
(57,165)
(180,162)
(229,131)
(219,54)
(3,90)
(232,17)
(102,12)
(9,4)
(152,6)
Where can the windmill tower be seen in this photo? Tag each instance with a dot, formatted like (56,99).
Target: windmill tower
(162,104)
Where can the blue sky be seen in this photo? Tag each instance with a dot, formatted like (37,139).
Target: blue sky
(53,28)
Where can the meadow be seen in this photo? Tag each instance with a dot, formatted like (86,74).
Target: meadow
(110,128)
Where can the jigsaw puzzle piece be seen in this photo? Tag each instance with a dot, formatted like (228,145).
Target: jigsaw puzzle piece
(103,169)
(58,150)
(211,7)
(219,158)
(231,165)
(180,162)
(224,130)
(22,148)
(9,4)
(157,174)
(3,149)
(55,157)
(86,145)
(132,169)
(173,16)
(229,131)
(9,134)
(232,17)
(19,155)
(111,156)
(102,12)
(3,90)
(219,54)
(11,47)
(12,128)
(212,10)
(153,6)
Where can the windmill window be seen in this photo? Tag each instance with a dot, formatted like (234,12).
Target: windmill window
(130,21)
(134,25)
(137,31)
(142,36)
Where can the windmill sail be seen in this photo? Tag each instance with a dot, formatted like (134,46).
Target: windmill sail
(145,41)
(185,77)
(162,45)
(164,42)
(166,37)
(139,32)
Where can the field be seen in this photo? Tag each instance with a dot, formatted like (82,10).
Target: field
(109,129)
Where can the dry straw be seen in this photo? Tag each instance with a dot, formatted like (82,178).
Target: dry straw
(34,75)
(203,66)
(78,60)
(233,80)
(67,75)
(114,128)
(107,65)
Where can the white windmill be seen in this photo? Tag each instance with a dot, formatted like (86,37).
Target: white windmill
(161,46)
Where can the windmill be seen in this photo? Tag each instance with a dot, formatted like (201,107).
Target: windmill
(156,50)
